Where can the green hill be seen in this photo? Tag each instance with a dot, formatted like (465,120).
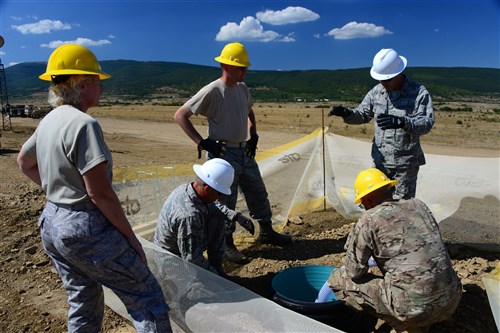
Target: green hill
(146,80)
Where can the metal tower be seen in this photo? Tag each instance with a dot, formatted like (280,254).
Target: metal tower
(4,97)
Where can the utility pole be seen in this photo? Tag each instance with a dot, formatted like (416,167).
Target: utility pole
(4,97)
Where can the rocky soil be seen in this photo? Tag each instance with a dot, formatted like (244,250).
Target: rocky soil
(32,298)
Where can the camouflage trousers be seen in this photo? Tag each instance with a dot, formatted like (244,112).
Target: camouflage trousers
(248,179)
(374,295)
(88,252)
(406,187)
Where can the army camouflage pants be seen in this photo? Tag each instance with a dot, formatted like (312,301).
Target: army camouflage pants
(407,181)
(374,295)
(247,177)
(89,252)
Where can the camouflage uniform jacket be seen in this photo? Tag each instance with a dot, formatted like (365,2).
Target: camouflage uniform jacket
(404,239)
(187,227)
(397,148)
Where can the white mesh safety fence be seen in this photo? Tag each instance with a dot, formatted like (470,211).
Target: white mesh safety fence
(201,301)
(492,285)
(311,173)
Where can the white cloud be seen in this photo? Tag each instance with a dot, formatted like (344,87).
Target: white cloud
(41,27)
(354,30)
(288,15)
(16,18)
(249,29)
(12,64)
(2,53)
(289,38)
(81,41)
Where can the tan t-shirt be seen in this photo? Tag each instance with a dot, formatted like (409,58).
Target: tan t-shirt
(226,109)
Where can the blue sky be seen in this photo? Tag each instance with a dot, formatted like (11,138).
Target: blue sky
(279,35)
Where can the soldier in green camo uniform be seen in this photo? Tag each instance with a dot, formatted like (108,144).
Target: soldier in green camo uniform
(419,286)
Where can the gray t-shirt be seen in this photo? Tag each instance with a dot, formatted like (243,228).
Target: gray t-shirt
(67,143)
(226,109)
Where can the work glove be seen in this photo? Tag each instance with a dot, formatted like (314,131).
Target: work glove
(251,146)
(245,222)
(372,262)
(387,121)
(216,148)
(324,294)
(339,111)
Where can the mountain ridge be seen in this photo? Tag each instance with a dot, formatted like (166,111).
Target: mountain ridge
(146,80)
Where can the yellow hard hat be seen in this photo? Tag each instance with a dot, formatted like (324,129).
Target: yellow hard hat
(72,59)
(370,180)
(234,54)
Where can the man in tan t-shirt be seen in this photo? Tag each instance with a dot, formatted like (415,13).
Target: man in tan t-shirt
(227,105)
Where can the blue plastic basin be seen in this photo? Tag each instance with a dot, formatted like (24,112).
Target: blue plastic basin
(296,289)
(302,283)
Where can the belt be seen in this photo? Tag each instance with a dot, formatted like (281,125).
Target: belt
(84,205)
(241,144)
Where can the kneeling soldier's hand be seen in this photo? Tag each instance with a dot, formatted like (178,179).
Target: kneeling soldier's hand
(245,222)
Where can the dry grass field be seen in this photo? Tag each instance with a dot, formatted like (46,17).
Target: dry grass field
(478,129)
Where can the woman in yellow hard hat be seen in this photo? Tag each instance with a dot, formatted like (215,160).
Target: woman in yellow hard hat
(83,228)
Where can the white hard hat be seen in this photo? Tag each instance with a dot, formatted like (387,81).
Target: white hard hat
(387,63)
(216,173)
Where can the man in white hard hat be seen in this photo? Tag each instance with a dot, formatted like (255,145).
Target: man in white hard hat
(403,112)
(192,221)
(227,105)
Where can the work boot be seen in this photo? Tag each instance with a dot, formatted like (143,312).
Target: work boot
(232,254)
(267,235)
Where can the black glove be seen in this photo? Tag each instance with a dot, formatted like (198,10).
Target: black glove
(251,146)
(245,222)
(216,148)
(340,111)
(387,121)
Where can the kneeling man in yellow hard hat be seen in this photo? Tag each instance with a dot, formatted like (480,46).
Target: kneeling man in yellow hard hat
(418,286)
